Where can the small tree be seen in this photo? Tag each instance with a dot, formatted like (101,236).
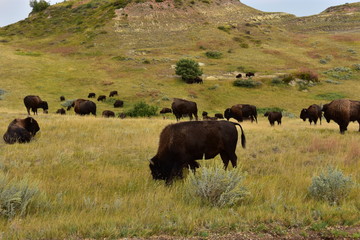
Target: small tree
(188,69)
(38,6)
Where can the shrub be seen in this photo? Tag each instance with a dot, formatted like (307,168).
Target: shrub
(356,67)
(248,83)
(277,81)
(341,73)
(213,54)
(216,186)
(244,45)
(141,109)
(38,6)
(330,96)
(331,186)
(188,69)
(307,74)
(16,198)
(225,28)
(269,109)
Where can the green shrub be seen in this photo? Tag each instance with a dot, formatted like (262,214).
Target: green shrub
(341,73)
(269,109)
(277,81)
(331,186)
(38,6)
(16,198)
(213,54)
(244,45)
(330,96)
(225,28)
(216,186)
(247,83)
(142,109)
(188,69)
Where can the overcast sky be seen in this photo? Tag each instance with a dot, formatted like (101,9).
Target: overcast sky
(12,11)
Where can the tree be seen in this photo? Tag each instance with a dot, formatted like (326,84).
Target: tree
(188,69)
(38,6)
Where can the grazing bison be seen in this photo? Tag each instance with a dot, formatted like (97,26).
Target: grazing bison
(35,102)
(83,107)
(250,74)
(181,144)
(91,95)
(198,80)
(313,113)
(62,98)
(165,110)
(241,112)
(101,98)
(113,93)
(61,111)
(274,116)
(207,118)
(122,115)
(118,103)
(21,130)
(181,107)
(342,111)
(108,113)
(219,115)
(239,75)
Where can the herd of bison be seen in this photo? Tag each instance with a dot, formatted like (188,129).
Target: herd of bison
(183,143)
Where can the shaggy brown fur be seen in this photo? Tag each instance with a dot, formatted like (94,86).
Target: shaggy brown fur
(21,130)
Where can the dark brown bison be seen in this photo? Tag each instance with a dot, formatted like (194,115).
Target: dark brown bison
(62,98)
(342,111)
(250,74)
(313,113)
(21,130)
(91,95)
(219,115)
(118,103)
(241,112)
(181,107)
(113,93)
(122,115)
(181,144)
(274,117)
(34,102)
(61,111)
(208,118)
(83,107)
(108,113)
(239,75)
(101,98)
(165,110)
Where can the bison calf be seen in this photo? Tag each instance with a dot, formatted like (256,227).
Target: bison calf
(274,117)
(21,130)
(118,103)
(183,143)
(61,111)
(91,95)
(113,93)
(313,113)
(108,113)
(101,98)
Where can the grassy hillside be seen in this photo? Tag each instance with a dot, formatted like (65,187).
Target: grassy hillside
(93,172)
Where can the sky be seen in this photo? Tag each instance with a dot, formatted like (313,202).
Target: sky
(12,11)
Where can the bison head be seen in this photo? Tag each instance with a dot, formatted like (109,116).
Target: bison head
(227,113)
(157,170)
(44,105)
(304,114)
(266,114)
(31,125)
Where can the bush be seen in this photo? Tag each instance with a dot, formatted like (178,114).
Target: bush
(188,69)
(331,186)
(213,54)
(307,74)
(216,186)
(38,6)
(269,109)
(248,83)
(330,96)
(16,198)
(356,67)
(341,73)
(141,109)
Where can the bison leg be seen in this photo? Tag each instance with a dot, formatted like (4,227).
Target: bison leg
(28,110)
(229,156)
(225,158)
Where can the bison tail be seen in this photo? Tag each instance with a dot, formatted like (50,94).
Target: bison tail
(243,139)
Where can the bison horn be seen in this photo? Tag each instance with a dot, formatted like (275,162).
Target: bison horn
(151,162)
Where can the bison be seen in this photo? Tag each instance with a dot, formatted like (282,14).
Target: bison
(181,107)
(164,111)
(62,98)
(101,98)
(208,118)
(91,95)
(83,107)
(118,103)
(342,111)
(181,144)
(239,75)
(274,117)
(113,93)
(108,113)
(313,113)
(35,102)
(250,74)
(61,111)
(219,115)
(21,130)
(122,115)
(241,112)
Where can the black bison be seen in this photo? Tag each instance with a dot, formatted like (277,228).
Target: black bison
(250,74)
(181,107)
(113,93)
(239,75)
(122,115)
(108,113)
(195,80)
(91,95)
(165,110)
(342,111)
(313,113)
(21,130)
(118,103)
(62,98)
(61,111)
(219,115)
(101,98)
(83,107)
(208,118)
(181,144)
(34,102)
(241,112)
(274,117)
